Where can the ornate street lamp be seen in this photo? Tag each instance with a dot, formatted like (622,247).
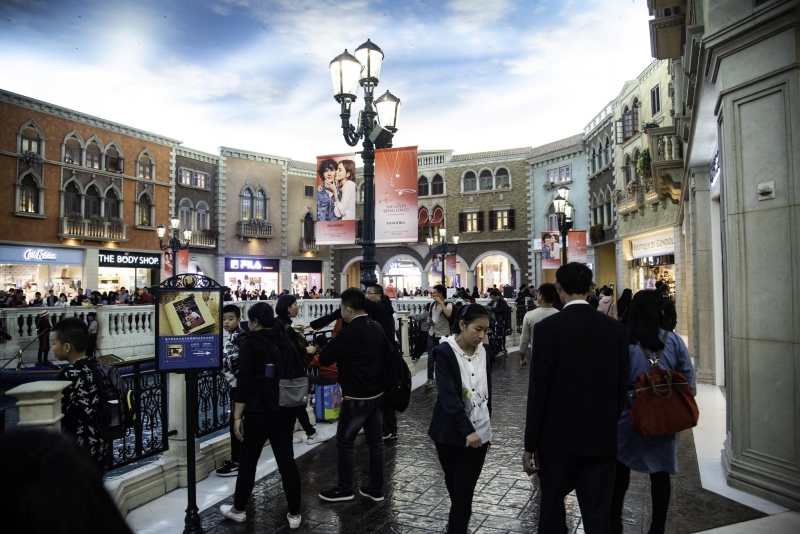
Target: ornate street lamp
(377,124)
(563,210)
(443,249)
(174,244)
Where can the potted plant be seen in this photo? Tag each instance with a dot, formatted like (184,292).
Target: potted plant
(211,233)
(31,158)
(644,169)
(596,233)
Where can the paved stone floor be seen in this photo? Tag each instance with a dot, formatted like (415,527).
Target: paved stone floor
(506,499)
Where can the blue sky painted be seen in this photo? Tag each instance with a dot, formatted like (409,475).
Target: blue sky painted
(473,75)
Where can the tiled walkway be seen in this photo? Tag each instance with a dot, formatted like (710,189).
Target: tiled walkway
(506,499)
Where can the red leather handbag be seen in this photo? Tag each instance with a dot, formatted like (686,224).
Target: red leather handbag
(662,401)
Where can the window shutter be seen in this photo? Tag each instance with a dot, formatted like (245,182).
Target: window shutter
(480,221)
(627,125)
(492,220)
(512,224)
(635,113)
(462,222)
(359,229)
(618,128)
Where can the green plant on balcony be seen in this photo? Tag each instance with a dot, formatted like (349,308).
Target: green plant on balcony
(115,224)
(211,233)
(310,240)
(632,186)
(31,158)
(259,224)
(597,233)
(75,216)
(644,169)
(649,126)
(96,221)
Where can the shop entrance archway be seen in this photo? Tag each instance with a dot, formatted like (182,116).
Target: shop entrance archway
(402,272)
(495,268)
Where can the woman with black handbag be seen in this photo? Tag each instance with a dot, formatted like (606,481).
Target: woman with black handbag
(265,354)
(654,455)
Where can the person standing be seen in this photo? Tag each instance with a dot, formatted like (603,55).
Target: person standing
(359,351)
(461,423)
(577,390)
(256,403)
(91,319)
(375,294)
(231,316)
(669,318)
(656,456)
(501,315)
(439,320)
(545,297)
(43,331)
(623,304)
(607,305)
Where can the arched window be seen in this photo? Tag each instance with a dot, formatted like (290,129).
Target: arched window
(72,151)
(470,182)
(487,180)
(144,215)
(308,227)
(502,180)
(552,219)
(28,195)
(634,161)
(202,217)
(437,185)
(247,204)
(260,206)
(112,205)
(93,154)
(185,214)
(113,159)
(594,160)
(93,200)
(422,186)
(146,166)
(30,140)
(72,200)
(626,170)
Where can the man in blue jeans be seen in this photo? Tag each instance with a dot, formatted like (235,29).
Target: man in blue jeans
(359,351)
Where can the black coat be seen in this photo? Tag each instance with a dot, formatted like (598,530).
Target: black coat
(578,383)
(449,423)
(359,350)
(256,350)
(377,311)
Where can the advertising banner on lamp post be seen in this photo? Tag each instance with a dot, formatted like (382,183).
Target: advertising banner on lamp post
(396,195)
(551,250)
(576,239)
(336,200)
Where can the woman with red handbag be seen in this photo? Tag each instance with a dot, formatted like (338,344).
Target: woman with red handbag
(656,455)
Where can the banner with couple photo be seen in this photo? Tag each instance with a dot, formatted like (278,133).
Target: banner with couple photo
(551,250)
(395,197)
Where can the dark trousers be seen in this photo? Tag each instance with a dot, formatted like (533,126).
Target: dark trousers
(420,344)
(305,422)
(462,466)
(592,478)
(353,416)
(236,445)
(660,490)
(90,346)
(389,420)
(277,428)
(432,342)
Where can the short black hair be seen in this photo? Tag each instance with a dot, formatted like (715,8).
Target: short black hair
(575,278)
(608,292)
(321,340)
(354,298)
(327,163)
(232,308)
(549,292)
(664,288)
(376,287)
(73,331)
(441,289)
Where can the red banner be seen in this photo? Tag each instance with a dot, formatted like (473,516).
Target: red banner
(576,241)
(396,195)
(336,200)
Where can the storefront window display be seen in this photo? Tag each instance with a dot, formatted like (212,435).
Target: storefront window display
(41,269)
(306,275)
(454,273)
(493,271)
(252,274)
(652,260)
(403,274)
(131,270)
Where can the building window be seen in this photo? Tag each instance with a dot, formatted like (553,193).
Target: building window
(72,200)
(487,180)
(308,191)
(628,125)
(607,156)
(111,205)
(502,179)
(201,180)
(559,174)
(422,186)
(437,185)
(28,195)
(72,151)
(146,166)
(552,219)
(501,220)
(247,204)
(594,160)
(202,217)
(470,182)
(113,159)
(361,193)
(260,211)
(144,211)
(308,229)
(185,214)
(470,222)
(359,229)
(655,101)
(93,156)
(92,203)
(608,208)
(30,140)
(184,176)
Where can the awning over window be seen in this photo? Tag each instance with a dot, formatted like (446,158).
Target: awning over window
(437,216)
(422,217)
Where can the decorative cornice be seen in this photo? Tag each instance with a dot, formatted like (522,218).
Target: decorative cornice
(57,111)
(253,156)
(197,155)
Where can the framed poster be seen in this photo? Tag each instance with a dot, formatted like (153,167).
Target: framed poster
(188,324)
(336,199)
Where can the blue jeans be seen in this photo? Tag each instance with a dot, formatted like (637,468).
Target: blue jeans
(353,416)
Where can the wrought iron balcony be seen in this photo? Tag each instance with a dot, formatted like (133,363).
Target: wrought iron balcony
(92,229)
(203,240)
(255,228)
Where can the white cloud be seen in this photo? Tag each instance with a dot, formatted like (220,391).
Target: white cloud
(469,16)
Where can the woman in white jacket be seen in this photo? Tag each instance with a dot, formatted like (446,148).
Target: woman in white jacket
(346,181)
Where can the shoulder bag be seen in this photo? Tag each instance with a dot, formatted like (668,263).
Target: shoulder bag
(663,403)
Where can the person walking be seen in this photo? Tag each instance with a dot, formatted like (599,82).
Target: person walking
(669,317)
(656,456)
(501,315)
(607,304)
(461,423)
(545,297)
(257,410)
(439,321)
(577,389)
(623,304)
(359,351)
(423,332)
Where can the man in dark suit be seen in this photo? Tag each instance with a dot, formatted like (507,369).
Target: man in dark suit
(577,390)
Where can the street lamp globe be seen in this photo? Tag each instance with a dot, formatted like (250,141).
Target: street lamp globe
(559,203)
(563,192)
(388,107)
(371,57)
(568,212)
(455,239)
(345,73)
(430,241)
(187,235)
(174,222)
(161,231)
(442,232)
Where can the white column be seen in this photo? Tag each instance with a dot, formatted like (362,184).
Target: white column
(39,403)
(91,275)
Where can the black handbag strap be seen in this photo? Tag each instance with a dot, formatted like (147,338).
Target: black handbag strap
(654,362)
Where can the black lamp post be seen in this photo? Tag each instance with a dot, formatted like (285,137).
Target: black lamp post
(376,126)
(443,249)
(174,244)
(564,213)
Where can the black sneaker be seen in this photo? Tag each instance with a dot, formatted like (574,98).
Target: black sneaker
(376,496)
(228,469)
(336,495)
(390,436)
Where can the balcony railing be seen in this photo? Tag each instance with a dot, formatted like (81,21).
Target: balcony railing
(201,240)
(255,228)
(666,150)
(630,201)
(92,229)
(308,244)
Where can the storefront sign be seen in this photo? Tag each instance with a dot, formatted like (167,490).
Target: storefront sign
(32,254)
(259,265)
(654,245)
(140,260)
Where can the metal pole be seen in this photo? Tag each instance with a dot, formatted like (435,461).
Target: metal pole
(443,254)
(368,261)
(192,518)
(562,223)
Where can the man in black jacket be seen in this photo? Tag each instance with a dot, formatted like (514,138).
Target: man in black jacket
(577,390)
(374,293)
(359,351)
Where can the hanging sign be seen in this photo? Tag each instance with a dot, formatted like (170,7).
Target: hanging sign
(396,195)
(654,245)
(577,251)
(551,250)
(336,200)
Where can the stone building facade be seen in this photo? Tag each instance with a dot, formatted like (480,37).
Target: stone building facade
(196,184)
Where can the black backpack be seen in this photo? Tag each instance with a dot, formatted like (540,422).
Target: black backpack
(396,379)
(116,411)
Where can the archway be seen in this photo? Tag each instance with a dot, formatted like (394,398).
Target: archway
(455,271)
(402,272)
(495,268)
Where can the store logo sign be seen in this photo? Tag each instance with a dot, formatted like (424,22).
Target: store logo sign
(113,259)
(246,265)
(39,254)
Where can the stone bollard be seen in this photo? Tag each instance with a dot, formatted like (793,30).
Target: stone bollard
(513,306)
(39,403)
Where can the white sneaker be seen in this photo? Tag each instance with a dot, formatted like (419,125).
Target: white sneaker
(430,384)
(227,511)
(294,521)
(297,440)
(317,438)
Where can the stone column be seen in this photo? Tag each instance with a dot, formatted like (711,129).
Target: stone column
(471,282)
(622,268)
(402,315)
(39,403)
(702,294)
(91,274)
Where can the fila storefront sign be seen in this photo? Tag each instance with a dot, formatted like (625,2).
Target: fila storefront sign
(259,265)
(654,245)
(118,258)
(38,255)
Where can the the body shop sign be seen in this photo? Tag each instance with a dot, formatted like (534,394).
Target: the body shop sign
(654,245)
(119,258)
